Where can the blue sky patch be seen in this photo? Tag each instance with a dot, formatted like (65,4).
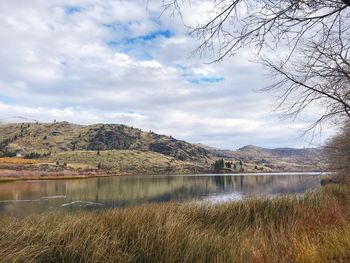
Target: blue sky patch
(179,66)
(153,35)
(6,99)
(129,50)
(191,77)
(126,45)
(70,10)
(205,79)
(129,41)
(144,56)
(115,26)
(113,43)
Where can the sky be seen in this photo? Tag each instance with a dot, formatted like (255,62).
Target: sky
(112,61)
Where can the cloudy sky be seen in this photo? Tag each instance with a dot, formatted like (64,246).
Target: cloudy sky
(91,61)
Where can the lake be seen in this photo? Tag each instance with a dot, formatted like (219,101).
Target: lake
(27,197)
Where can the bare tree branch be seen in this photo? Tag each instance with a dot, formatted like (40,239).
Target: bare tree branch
(316,33)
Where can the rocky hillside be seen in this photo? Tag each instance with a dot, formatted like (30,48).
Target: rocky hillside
(44,138)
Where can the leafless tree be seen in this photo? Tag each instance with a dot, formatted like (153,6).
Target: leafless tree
(232,24)
(320,75)
(315,34)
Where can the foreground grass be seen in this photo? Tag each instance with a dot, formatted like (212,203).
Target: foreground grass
(315,228)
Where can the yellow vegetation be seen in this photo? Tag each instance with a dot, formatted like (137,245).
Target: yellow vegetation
(16,160)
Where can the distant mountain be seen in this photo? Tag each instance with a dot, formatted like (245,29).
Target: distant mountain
(305,154)
(252,151)
(64,136)
(276,159)
(41,139)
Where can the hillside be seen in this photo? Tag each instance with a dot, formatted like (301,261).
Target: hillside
(54,138)
(252,152)
(121,149)
(127,162)
(291,159)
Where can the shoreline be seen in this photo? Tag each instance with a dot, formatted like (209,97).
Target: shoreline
(14,175)
(43,178)
(15,172)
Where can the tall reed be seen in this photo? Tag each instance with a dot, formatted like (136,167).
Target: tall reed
(315,228)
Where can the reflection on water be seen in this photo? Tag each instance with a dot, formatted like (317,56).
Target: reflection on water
(23,198)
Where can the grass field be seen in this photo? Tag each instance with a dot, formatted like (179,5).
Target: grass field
(128,161)
(315,228)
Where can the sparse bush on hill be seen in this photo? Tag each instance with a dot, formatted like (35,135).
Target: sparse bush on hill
(32,155)
(35,155)
(219,165)
(8,154)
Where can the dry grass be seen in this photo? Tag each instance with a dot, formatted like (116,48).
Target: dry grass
(127,161)
(315,228)
(16,160)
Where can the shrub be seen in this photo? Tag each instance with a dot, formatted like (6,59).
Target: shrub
(338,152)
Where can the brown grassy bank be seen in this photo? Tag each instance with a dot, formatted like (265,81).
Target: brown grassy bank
(315,228)
(17,172)
(85,164)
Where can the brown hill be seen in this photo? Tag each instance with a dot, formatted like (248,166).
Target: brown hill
(58,137)
(279,159)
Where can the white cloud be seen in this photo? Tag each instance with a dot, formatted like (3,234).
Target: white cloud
(58,65)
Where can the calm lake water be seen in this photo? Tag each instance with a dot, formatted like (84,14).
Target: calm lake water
(28,197)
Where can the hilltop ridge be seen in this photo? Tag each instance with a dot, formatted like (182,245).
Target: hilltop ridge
(64,136)
(127,149)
